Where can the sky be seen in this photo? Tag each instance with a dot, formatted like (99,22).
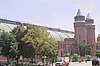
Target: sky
(51,13)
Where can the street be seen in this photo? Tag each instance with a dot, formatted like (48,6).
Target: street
(80,64)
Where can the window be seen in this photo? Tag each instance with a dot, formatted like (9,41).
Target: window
(84,41)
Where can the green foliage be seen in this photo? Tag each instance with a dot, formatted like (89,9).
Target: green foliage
(98,53)
(88,57)
(66,53)
(98,39)
(30,42)
(18,32)
(8,45)
(84,49)
(41,41)
(75,57)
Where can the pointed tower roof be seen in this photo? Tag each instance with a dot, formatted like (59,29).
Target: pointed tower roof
(88,16)
(79,13)
(89,20)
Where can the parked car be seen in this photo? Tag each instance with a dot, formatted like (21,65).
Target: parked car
(58,63)
(95,62)
(62,63)
(2,65)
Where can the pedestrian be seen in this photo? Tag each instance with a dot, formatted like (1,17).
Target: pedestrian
(52,64)
(65,63)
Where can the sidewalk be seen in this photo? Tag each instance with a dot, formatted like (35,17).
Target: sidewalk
(79,62)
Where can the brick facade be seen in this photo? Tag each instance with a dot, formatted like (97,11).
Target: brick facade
(84,34)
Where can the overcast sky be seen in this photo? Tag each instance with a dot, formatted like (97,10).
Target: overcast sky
(51,13)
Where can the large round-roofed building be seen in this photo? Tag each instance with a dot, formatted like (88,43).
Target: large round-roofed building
(58,34)
(68,41)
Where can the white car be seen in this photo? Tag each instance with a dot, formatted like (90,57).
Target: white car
(65,63)
(58,63)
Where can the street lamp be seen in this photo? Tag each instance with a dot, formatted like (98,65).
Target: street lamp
(44,59)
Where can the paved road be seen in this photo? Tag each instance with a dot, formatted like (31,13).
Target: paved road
(81,64)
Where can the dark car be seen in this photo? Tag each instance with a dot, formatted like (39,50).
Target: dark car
(2,65)
(95,62)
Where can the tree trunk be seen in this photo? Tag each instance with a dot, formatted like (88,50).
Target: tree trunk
(17,63)
(7,60)
(35,59)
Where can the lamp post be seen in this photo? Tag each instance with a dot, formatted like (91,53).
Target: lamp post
(44,59)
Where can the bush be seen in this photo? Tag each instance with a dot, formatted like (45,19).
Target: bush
(3,62)
(98,53)
(88,57)
(75,57)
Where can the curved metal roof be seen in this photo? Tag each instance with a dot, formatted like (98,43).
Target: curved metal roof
(58,34)
(7,27)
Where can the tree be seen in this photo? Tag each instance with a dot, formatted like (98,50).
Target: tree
(75,57)
(88,57)
(41,41)
(98,38)
(24,49)
(98,53)
(18,32)
(8,45)
(84,49)
(66,53)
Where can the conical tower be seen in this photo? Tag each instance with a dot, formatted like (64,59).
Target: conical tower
(90,28)
(89,20)
(79,17)
(80,30)
(79,13)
